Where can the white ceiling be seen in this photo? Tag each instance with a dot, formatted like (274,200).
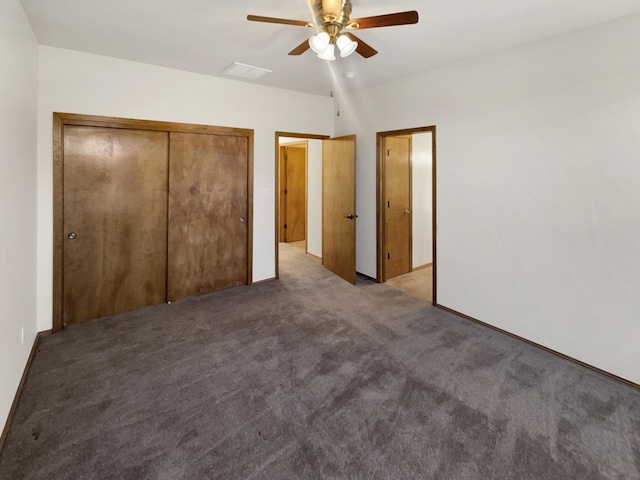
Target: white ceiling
(205,36)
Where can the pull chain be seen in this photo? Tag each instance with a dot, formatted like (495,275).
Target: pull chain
(335,87)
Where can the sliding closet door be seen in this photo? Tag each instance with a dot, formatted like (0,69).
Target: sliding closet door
(208,213)
(115,220)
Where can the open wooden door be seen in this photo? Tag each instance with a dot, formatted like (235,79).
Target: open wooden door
(339,206)
(397,198)
(293,193)
(296,193)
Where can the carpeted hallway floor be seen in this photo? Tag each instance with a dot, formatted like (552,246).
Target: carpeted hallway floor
(309,377)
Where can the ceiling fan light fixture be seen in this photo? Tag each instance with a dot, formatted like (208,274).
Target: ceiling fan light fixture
(331,17)
(346,45)
(320,42)
(329,54)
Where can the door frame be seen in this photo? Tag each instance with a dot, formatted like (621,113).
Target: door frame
(278,134)
(380,218)
(62,119)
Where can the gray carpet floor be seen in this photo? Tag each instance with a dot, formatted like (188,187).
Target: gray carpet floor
(309,377)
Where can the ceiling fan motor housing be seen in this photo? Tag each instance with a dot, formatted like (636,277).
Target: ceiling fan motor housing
(332,16)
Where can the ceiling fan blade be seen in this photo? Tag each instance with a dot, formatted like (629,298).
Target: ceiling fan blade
(300,49)
(363,49)
(283,21)
(390,20)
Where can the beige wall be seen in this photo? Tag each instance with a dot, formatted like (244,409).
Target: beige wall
(422,200)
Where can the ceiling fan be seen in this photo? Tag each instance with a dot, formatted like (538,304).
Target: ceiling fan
(331,18)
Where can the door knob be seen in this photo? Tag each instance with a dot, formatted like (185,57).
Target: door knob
(72,236)
(351,217)
(407,212)
(242,219)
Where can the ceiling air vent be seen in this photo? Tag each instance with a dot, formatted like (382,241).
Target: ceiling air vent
(241,70)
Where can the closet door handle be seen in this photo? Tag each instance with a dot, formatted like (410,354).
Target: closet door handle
(242,219)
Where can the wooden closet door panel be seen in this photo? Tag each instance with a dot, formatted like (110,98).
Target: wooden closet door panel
(115,220)
(208,214)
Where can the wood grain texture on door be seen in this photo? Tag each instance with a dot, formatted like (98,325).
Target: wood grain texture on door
(282,205)
(397,198)
(338,204)
(115,220)
(296,195)
(208,214)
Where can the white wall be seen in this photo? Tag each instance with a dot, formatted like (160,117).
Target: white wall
(314,192)
(421,199)
(314,197)
(538,178)
(18,117)
(75,82)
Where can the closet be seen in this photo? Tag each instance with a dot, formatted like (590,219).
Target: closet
(147,212)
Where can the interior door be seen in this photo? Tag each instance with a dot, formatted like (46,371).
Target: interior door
(208,214)
(115,220)
(296,194)
(339,206)
(282,237)
(397,197)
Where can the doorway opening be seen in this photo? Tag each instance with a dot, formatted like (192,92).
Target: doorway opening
(331,201)
(406,205)
(293,192)
(299,192)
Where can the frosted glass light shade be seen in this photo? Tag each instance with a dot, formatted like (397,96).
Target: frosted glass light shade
(346,45)
(329,53)
(319,42)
